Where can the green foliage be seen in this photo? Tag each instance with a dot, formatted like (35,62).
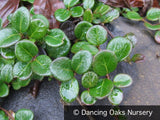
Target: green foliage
(134,16)
(70,3)
(87,99)
(153,14)
(157,36)
(77,11)
(4,90)
(88,16)
(3,115)
(88,4)
(62,15)
(24,114)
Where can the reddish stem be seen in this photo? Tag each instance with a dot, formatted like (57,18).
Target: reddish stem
(8,114)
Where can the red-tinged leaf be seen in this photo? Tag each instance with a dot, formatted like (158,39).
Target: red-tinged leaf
(6,8)
(47,8)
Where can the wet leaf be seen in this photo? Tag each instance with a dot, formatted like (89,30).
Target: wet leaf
(9,37)
(8,53)
(22,70)
(70,3)
(152,27)
(157,37)
(6,73)
(102,90)
(55,38)
(81,61)
(134,16)
(69,90)
(153,14)
(77,11)
(17,84)
(87,99)
(96,35)
(88,16)
(24,114)
(104,62)
(3,116)
(21,19)
(89,80)
(121,46)
(62,15)
(25,50)
(61,69)
(81,29)
(116,96)
(41,65)
(4,90)
(122,80)
(88,4)
(132,38)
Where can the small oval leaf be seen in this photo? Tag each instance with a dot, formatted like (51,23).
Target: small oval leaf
(87,99)
(153,14)
(8,53)
(62,15)
(17,84)
(77,11)
(157,37)
(88,16)
(70,3)
(4,90)
(88,4)
(110,16)
(6,73)
(101,10)
(132,38)
(152,27)
(24,114)
(134,16)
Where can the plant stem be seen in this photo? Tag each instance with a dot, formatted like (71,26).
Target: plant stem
(7,113)
(109,32)
(35,89)
(107,76)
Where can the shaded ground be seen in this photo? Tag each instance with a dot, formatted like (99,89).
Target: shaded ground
(144,91)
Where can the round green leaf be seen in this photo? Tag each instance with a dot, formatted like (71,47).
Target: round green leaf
(17,84)
(41,65)
(81,61)
(9,37)
(111,15)
(41,17)
(37,29)
(88,16)
(22,70)
(70,3)
(157,37)
(8,53)
(89,80)
(134,16)
(121,46)
(62,15)
(55,38)
(81,29)
(25,50)
(102,90)
(104,62)
(37,77)
(153,14)
(24,114)
(152,27)
(4,90)
(96,35)
(6,73)
(61,69)
(88,4)
(87,99)
(101,10)
(60,51)
(132,38)
(122,80)
(69,90)
(21,19)
(3,116)
(77,11)
(116,96)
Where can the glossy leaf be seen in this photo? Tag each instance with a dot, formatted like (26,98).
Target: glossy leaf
(132,38)
(8,37)
(77,11)
(41,65)
(89,80)
(122,80)
(110,16)
(88,4)
(62,15)
(88,16)
(24,114)
(61,69)
(3,116)
(96,35)
(87,99)
(116,96)
(134,16)
(104,62)
(101,10)
(121,46)
(152,27)
(6,73)
(4,90)
(102,90)
(81,29)
(55,38)
(37,29)
(21,19)
(157,37)
(70,3)
(25,50)
(17,84)
(22,70)
(69,90)
(8,53)
(153,14)
(81,61)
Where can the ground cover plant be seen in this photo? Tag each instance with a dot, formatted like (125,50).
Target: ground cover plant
(31,50)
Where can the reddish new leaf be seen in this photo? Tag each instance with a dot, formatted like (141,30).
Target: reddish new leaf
(47,8)
(6,8)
